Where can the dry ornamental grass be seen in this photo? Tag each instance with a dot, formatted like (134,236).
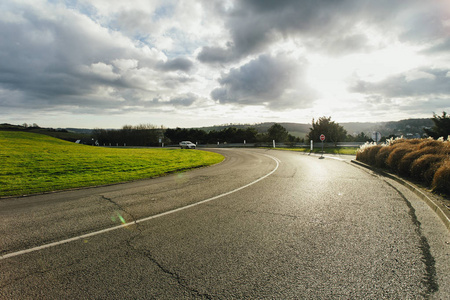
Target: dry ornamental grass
(424,160)
(441,180)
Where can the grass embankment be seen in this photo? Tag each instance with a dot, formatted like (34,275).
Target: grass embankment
(423,160)
(335,150)
(34,163)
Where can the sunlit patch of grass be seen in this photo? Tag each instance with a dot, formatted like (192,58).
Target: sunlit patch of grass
(33,163)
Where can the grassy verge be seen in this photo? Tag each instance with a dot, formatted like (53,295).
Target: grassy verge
(336,150)
(34,163)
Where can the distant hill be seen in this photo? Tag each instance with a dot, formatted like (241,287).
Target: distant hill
(409,127)
(412,128)
(79,130)
(59,133)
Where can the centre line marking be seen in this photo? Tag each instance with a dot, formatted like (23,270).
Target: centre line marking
(277,161)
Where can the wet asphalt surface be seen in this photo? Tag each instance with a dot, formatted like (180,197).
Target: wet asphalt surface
(313,228)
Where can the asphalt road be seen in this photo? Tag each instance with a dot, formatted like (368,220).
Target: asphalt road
(262,224)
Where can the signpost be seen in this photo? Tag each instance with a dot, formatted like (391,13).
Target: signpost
(322,138)
(376,136)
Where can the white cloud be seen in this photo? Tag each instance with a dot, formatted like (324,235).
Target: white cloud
(413,75)
(275,82)
(125,64)
(286,59)
(101,71)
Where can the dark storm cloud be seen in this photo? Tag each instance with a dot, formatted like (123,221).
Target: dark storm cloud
(420,82)
(275,82)
(440,47)
(66,59)
(215,55)
(176,64)
(58,56)
(180,100)
(184,100)
(253,25)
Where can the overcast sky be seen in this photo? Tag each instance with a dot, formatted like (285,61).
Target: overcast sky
(192,63)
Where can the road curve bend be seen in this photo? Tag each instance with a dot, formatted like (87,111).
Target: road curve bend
(263,224)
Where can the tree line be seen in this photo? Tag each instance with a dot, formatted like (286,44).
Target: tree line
(150,135)
(141,135)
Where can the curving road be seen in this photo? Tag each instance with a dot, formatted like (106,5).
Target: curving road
(262,224)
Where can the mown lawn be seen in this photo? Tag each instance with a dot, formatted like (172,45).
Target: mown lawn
(33,163)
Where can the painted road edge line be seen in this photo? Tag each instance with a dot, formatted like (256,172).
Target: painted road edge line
(80,237)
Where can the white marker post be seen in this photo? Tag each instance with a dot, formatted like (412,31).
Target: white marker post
(273,143)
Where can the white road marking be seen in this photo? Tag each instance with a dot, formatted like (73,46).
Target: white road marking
(326,156)
(80,237)
(336,158)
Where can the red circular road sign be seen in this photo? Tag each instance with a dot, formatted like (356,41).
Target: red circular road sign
(322,137)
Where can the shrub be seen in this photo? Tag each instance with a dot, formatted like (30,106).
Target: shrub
(361,156)
(426,160)
(404,166)
(423,167)
(381,157)
(403,141)
(441,180)
(398,151)
(445,149)
(362,153)
(430,143)
(429,174)
(371,153)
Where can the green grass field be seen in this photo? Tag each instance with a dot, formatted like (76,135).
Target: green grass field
(34,163)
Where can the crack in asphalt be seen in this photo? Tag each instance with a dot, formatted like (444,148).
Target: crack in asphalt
(429,280)
(177,277)
(121,208)
(129,242)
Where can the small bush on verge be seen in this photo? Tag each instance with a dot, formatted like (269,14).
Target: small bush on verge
(404,166)
(398,151)
(441,179)
(425,160)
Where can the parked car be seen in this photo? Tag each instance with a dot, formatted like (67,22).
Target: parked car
(187,145)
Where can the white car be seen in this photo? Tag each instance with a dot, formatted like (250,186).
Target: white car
(187,145)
